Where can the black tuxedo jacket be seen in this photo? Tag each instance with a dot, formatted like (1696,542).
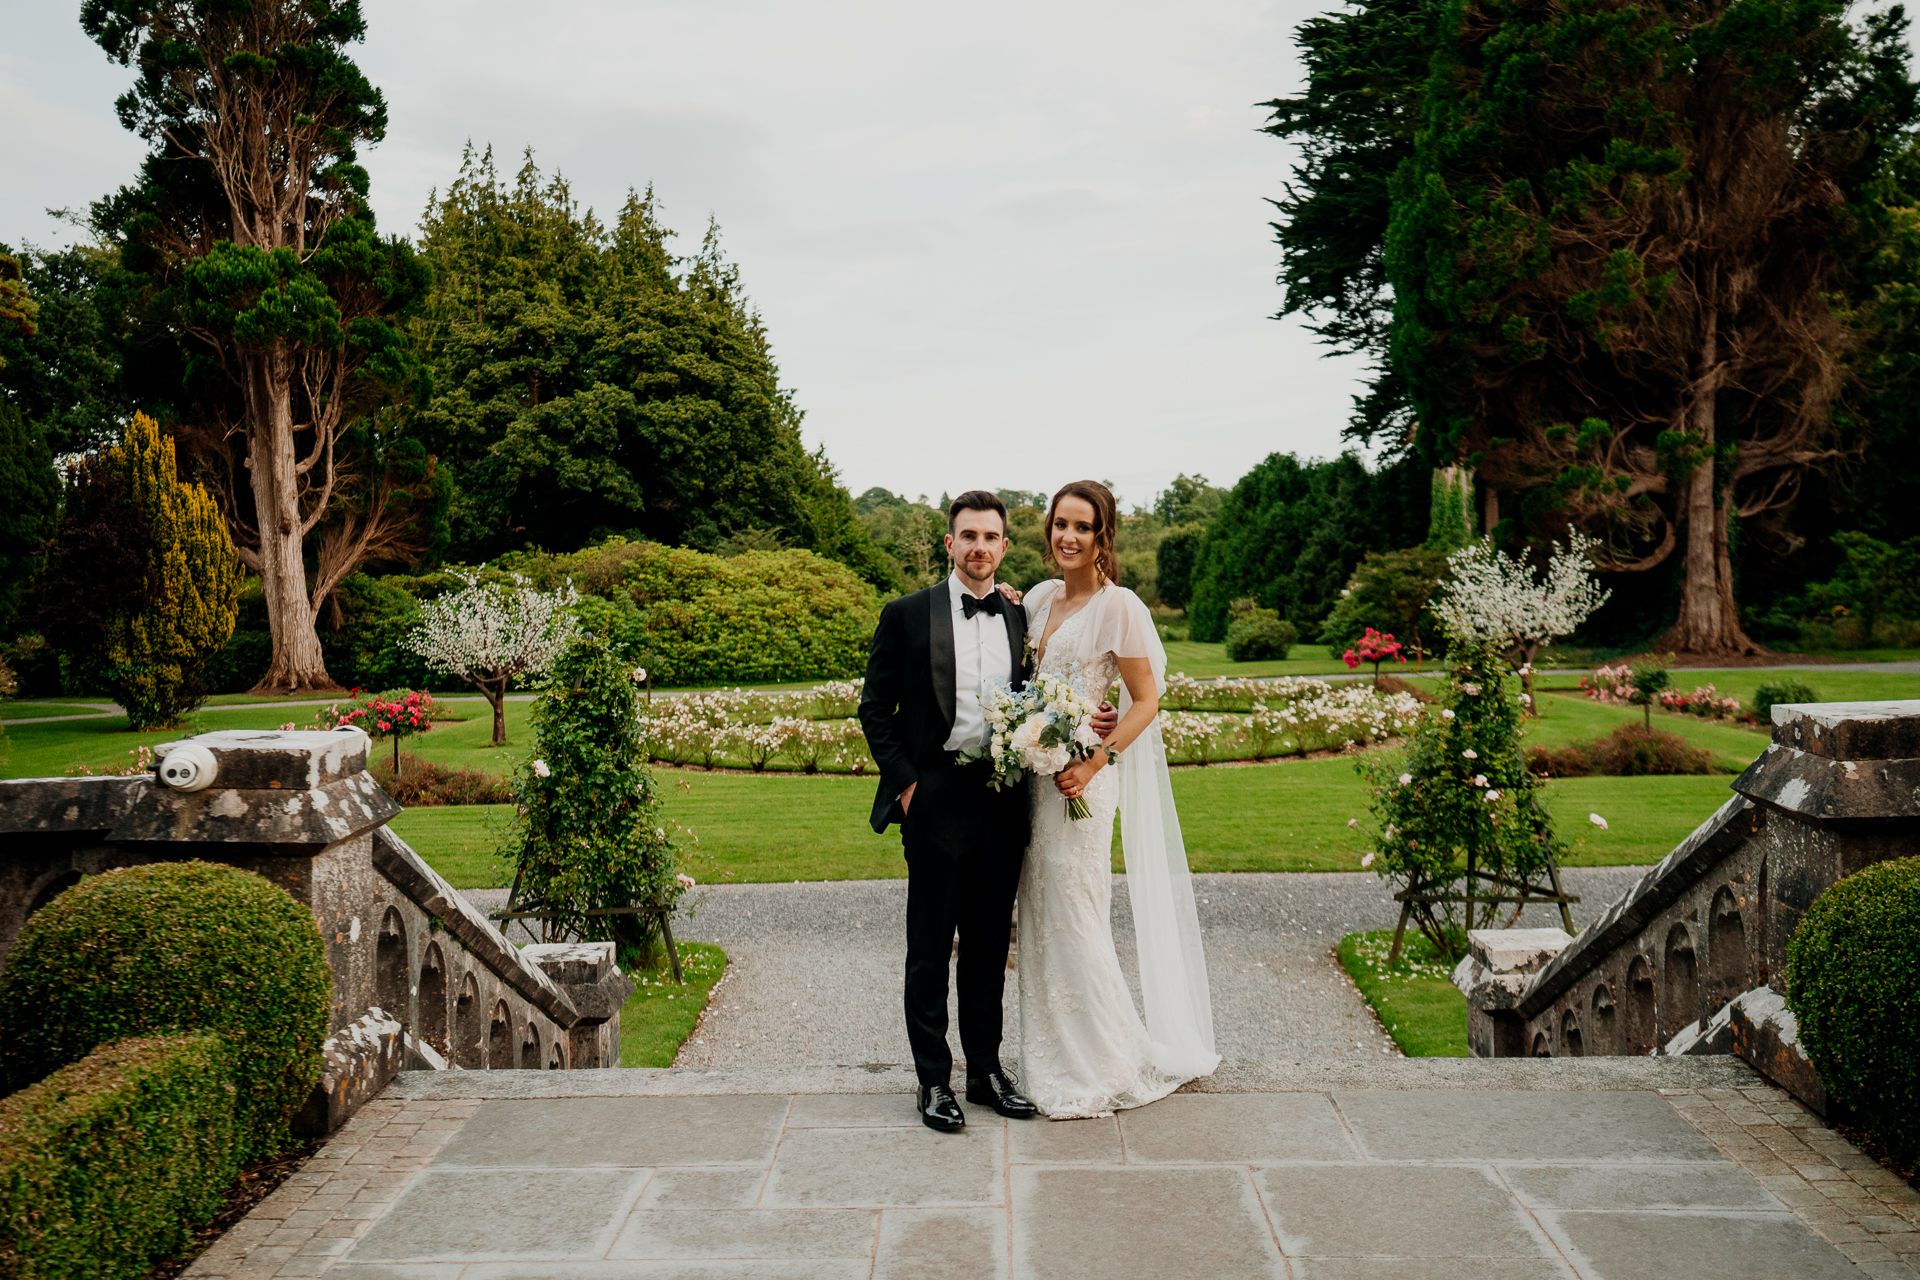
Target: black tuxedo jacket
(906,707)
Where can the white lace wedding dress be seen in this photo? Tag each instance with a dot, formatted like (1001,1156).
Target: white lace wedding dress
(1084,1049)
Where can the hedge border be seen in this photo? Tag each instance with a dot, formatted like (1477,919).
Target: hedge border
(107,1165)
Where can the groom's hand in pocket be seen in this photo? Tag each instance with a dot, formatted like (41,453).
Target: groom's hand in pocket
(1105,720)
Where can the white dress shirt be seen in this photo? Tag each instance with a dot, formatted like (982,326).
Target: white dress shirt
(981,660)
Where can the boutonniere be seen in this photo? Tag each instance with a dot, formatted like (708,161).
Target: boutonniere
(1033,651)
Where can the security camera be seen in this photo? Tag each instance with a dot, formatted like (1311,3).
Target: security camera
(188,767)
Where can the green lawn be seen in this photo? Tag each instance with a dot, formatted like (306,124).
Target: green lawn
(40,710)
(1417,1003)
(659,1016)
(1204,661)
(1291,816)
(49,750)
(1833,684)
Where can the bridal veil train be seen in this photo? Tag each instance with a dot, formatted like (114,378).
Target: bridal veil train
(1085,1050)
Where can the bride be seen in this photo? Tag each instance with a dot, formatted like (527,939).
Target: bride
(1084,1050)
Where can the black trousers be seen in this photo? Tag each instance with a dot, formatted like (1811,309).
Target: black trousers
(964,844)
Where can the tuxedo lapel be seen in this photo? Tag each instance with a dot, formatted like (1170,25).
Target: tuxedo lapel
(1016,620)
(940,648)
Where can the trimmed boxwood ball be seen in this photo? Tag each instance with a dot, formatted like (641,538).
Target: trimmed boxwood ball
(175,946)
(1853,982)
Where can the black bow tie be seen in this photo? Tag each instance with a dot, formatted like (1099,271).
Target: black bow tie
(990,603)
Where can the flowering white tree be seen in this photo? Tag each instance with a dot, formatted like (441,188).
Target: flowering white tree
(1498,599)
(489,633)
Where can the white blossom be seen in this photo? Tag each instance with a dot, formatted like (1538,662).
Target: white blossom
(1470,754)
(1446,713)
(1367,861)
(1353,822)
(1492,796)
(1405,779)
(684,880)
(540,769)
(1497,598)
(1479,779)
(1597,821)
(489,633)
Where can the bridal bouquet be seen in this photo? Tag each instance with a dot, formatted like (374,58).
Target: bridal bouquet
(1040,729)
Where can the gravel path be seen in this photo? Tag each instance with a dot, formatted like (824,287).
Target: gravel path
(816,967)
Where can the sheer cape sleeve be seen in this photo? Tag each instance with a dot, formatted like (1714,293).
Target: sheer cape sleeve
(1166,922)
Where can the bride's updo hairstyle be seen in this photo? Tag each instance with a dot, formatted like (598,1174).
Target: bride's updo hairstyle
(1106,519)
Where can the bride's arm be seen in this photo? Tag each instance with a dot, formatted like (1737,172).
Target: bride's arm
(1137,673)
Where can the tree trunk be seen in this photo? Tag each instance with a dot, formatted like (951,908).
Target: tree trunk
(298,665)
(1709,620)
(497,695)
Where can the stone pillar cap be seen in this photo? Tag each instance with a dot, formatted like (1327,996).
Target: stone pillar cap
(1850,730)
(1516,950)
(275,759)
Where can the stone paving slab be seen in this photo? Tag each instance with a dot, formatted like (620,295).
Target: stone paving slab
(1523,1183)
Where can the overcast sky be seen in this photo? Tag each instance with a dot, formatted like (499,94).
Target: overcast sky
(1003,244)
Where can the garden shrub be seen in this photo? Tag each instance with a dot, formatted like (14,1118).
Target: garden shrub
(1853,982)
(1630,751)
(1780,692)
(1261,640)
(107,1165)
(168,604)
(166,947)
(752,618)
(424,783)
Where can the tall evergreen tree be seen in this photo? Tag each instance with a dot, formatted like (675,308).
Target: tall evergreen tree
(589,382)
(1290,534)
(29,502)
(1366,78)
(65,376)
(1610,252)
(265,300)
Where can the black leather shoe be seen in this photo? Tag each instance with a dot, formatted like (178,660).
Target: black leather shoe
(940,1110)
(996,1091)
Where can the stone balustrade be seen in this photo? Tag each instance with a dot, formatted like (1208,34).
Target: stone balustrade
(421,978)
(1692,958)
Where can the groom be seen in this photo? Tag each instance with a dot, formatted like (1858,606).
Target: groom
(936,654)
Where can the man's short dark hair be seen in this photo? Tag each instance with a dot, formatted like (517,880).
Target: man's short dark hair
(977,500)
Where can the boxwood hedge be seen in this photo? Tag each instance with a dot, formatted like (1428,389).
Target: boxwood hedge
(108,1164)
(175,946)
(1853,982)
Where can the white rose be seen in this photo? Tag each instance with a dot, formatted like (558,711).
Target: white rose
(1027,734)
(1447,714)
(1046,760)
(1405,779)
(1492,796)
(1086,735)
(1470,754)
(540,769)
(1479,779)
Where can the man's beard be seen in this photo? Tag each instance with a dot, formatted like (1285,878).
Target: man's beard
(983,576)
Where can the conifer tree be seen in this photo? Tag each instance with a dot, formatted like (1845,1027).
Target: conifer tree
(155,595)
(263,300)
(29,502)
(1611,238)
